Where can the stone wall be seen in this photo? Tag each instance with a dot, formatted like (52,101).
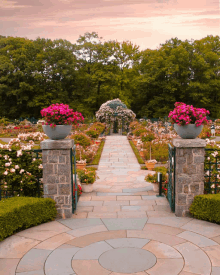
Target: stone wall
(189,173)
(57,174)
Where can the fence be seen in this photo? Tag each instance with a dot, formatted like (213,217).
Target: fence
(212,171)
(15,189)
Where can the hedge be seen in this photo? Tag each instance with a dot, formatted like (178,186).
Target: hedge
(19,213)
(206,207)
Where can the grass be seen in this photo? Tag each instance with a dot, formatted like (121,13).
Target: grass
(136,152)
(98,155)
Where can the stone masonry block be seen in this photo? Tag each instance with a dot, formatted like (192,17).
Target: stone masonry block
(181,199)
(50,189)
(62,159)
(189,158)
(65,152)
(67,199)
(183,179)
(64,189)
(198,151)
(194,188)
(190,169)
(200,169)
(47,168)
(63,169)
(62,179)
(181,160)
(186,189)
(199,159)
(67,213)
(53,159)
(59,199)
(44,158)
(180,152)
(52,179)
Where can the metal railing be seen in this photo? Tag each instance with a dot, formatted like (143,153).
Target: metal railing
(212,171)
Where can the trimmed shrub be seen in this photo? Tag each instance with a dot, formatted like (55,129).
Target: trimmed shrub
(19,213)
(206,207)
(81,139)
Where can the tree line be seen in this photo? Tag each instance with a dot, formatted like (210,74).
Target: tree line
(37,73)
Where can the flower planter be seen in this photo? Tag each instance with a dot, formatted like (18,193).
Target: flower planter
(150,165)
(80,165)
(155,186)
(87,188)
(189,131)
(59,132)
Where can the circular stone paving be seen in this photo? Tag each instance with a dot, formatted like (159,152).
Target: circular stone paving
(127,260)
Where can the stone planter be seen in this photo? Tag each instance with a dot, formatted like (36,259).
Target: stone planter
(80,165)
(155,186)
(150,165)
(59,132)
(87,188)
(189,131)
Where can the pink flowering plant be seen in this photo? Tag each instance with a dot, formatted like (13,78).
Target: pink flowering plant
(60,114)
(187,114)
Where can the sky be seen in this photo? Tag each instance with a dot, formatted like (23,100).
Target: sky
(146,23)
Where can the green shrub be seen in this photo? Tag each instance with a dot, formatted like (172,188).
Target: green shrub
(206,207)
(92,133)
(153,178)
(19,213)
(86,175)
(159,151)
(81,139)
(136,152)
(149,136)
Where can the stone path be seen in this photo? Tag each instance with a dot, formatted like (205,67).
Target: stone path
(120,228)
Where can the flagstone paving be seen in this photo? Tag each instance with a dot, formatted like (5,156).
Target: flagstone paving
(120,228)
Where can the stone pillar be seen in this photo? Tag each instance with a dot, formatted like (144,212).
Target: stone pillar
(189,173)
(57,174)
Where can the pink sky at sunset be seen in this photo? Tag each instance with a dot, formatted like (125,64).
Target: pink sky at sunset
(146,23)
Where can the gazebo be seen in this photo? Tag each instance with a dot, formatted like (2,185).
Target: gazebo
(115,114)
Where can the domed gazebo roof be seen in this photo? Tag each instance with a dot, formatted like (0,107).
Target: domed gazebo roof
(113,104)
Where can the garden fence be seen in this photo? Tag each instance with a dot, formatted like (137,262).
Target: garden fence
(212,171)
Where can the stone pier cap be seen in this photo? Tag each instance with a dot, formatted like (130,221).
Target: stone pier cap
(49,144)
(188,143)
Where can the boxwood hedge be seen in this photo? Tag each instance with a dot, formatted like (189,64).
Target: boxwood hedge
(19,213)
(206,207)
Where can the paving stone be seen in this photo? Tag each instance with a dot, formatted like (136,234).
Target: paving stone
(81,215)
(128,198)
(114,194)
(84,209)
(85,198)
(117,224)
(15,247)
(92,251)
(166,267)
(128,242)
(133,190)
(197,239)
(115,203)
(54,242)
(8,266)
(204,228)
(127,260)
(149,197)
(137,208)
(87,230)
(187,273)
(215,270)
(78,223)
(161,208)
(86,267)
(35,272)
(96,237)
(136,273)
(214,254)
(163,229)
(102,215)
(143,202)
(170,221)
(33,260)
(216,239)
(196,260)
(107,209)
(156,236)
(43,231)
(59,261)
(104,198)
(161,250)
(89,203)
(157,214)
(131,214)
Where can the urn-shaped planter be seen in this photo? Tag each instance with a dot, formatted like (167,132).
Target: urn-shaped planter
(58,132)
(155,186)
(80,165)
(87,188)
(189,131)
(150,165)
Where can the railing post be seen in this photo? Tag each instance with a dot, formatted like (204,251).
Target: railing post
(57,174)
(189,172)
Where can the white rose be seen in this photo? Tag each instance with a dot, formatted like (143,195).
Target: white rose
(17,167)
(12,170)
(5,173)
(7,164)
(21,171)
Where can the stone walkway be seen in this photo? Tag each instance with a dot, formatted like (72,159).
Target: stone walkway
(120,228)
